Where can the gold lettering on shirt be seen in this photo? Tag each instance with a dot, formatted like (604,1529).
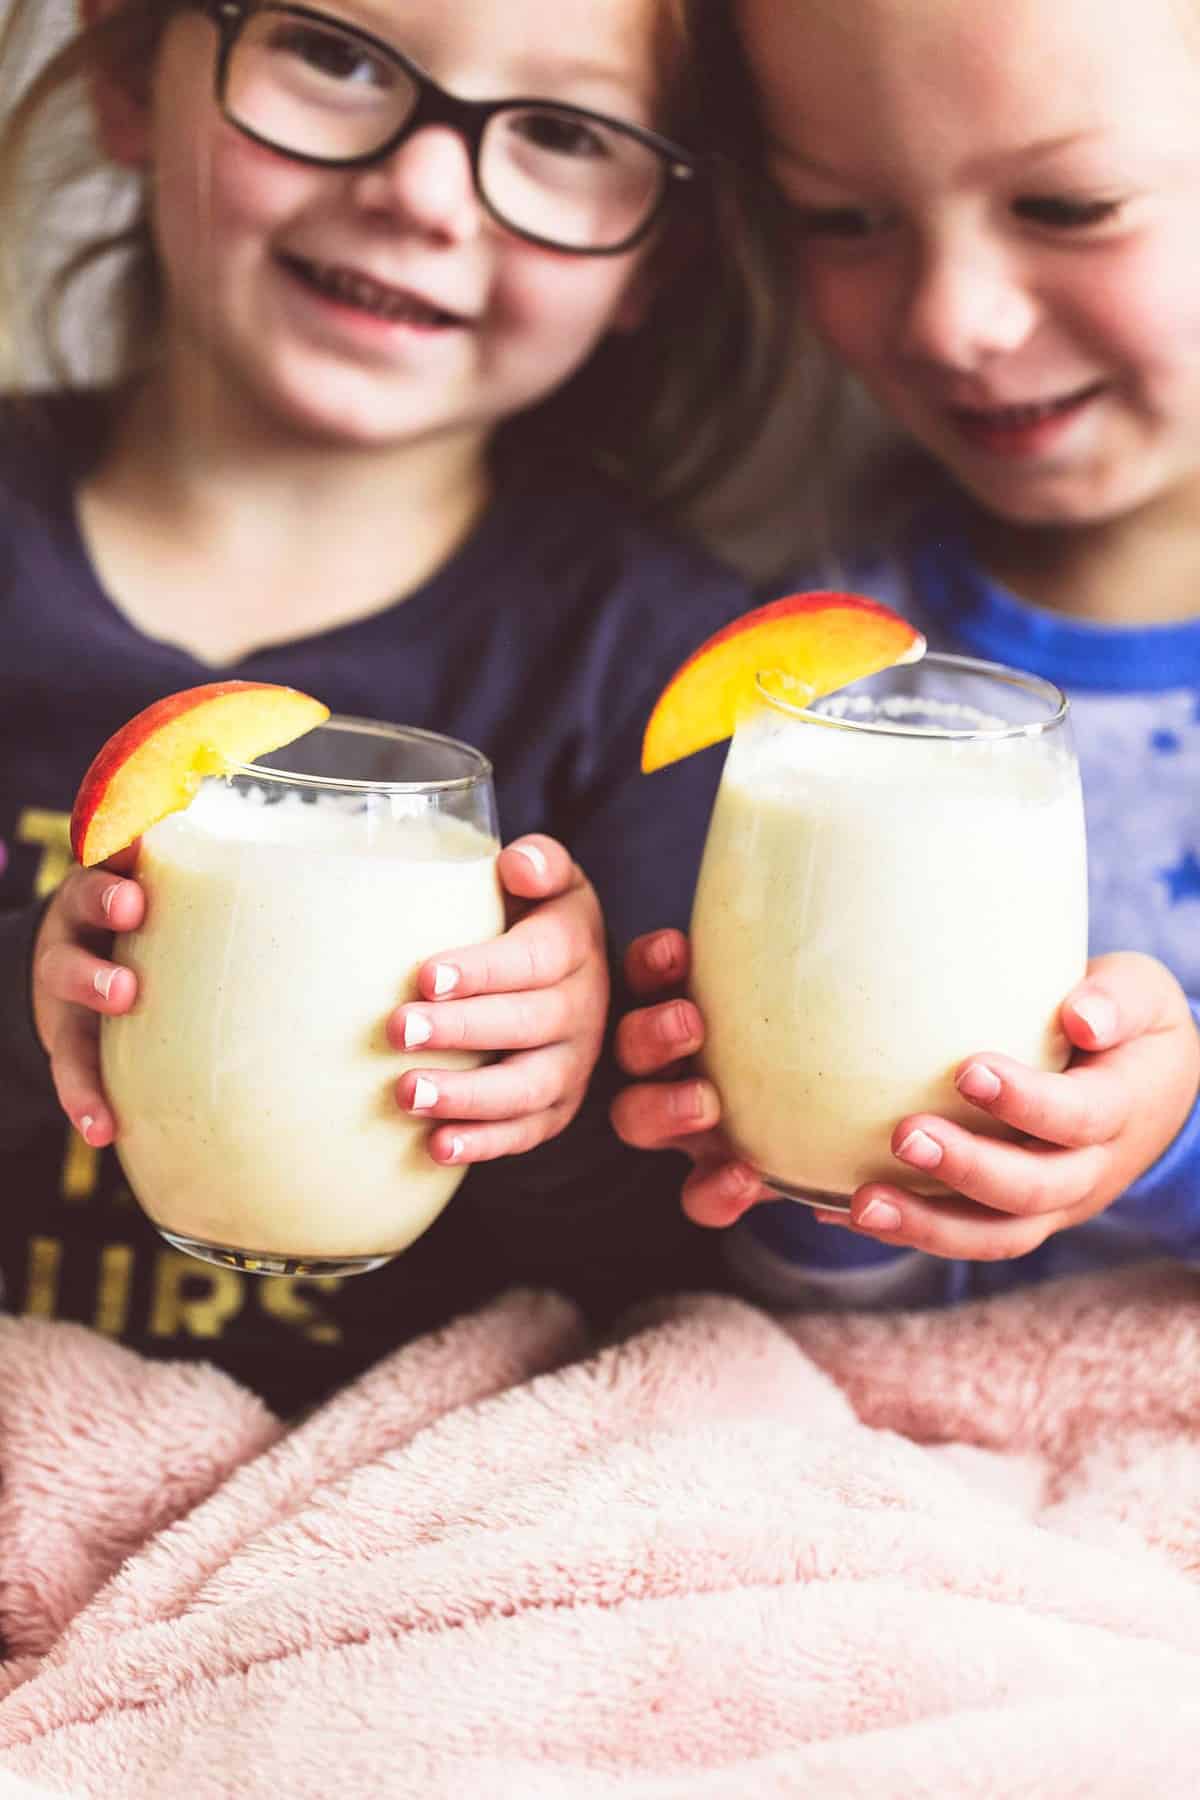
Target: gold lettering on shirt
(284,1297)
(52,830)
(203,1314)
(80,1167)
(113,1286)
(41,1286)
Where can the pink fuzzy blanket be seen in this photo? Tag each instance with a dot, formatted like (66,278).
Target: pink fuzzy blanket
(728,1555)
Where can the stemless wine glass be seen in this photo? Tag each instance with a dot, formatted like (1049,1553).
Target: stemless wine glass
(894,878)
(287,911)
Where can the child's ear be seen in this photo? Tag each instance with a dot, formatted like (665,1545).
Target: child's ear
(121,114)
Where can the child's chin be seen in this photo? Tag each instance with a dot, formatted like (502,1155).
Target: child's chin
(323,414)
(1049,504)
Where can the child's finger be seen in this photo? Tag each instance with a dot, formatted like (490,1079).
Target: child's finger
(521,1021)
(465,1143)
(1122,996)
(534,867)
(1086,1105)
(536,952)
(657,960)
(1018,1178)
(661,1115)
(719,1196)
(75,1070)
(952,1228)
(99,900)
(649,1040)
(517,1087)
(73,975)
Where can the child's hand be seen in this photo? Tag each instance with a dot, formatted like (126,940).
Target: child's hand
(539,992)
(682,1114)
(1089,1132)
(73,983)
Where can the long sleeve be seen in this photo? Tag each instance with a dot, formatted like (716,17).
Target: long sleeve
(1165,1201)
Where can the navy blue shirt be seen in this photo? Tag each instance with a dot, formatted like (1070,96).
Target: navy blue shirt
(544,641)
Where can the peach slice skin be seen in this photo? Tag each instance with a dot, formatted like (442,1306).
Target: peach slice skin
(153,765)
(825,640)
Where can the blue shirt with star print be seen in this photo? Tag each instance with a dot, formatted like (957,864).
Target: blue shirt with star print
(1135,704)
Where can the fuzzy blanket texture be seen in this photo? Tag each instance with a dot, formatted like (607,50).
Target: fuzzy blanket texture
(726,1554)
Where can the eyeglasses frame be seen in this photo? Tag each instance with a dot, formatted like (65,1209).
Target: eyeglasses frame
(468,119)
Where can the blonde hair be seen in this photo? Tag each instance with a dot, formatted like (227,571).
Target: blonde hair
(665,409)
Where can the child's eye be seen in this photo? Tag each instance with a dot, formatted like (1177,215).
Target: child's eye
(560,134)
(329,53)
(832,222)
(849,223)
(1061,214)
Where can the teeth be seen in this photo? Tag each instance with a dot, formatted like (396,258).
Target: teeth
(1029,415)
(354,289)
(1018,416)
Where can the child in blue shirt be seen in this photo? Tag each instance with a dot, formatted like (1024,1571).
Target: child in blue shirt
(996,242)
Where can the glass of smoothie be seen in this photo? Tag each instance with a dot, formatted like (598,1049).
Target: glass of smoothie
(287,910)
(894,879)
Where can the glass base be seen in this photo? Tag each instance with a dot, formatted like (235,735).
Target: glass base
(270,1262)
(817,1198)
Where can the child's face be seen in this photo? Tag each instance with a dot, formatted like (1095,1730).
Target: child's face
(997,207)
(482,323)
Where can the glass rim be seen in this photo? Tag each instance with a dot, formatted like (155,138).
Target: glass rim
(1002,673)
(481,771)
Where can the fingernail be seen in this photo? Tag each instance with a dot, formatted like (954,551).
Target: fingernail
(102,981)
(533,856)
(425,1095)
(108,896)
(417,1030)
(660,954)
(737,1183)
(1098,1014)
(690,1101)
(675,1026)
(86,1127)
(879,1215)
(445,978)
(919,1149)
(457,1147)
(978,1082)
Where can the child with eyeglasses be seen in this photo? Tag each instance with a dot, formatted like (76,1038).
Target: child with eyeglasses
(406,337)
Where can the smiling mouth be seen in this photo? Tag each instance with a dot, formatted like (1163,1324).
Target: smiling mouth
(350,288)
(1017,418)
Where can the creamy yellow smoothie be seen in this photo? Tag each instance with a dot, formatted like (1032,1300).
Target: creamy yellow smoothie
(252,1082)
(874,906)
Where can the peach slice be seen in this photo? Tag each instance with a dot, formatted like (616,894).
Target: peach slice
(817,641)
(153,765)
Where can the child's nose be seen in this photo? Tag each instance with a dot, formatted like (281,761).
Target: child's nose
(427,183)
(966,305)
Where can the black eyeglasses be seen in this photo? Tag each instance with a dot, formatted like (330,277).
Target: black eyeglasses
(321,91)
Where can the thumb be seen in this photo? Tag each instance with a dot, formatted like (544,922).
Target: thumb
(1121,996)
(535,867)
